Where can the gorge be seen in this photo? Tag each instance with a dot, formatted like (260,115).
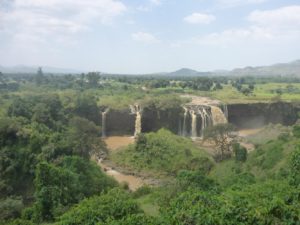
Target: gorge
(192,118)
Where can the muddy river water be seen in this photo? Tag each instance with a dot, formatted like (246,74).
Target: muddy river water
(113,144)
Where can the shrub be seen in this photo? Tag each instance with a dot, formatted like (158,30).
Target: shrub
(240,152)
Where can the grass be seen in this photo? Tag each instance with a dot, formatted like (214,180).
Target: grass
(268,160)
(149,205)
(268,133)
(163,154)
(115,96)
(262,93)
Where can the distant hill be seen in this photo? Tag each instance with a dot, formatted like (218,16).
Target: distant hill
(185,72)
(33,69)
(280,69)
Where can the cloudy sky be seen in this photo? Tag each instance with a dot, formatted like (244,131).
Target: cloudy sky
(145,36)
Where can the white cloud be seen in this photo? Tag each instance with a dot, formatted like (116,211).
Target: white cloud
(54,19)
(156,2)
(234,3)
(235,36)
(269,26)
(149,5)
(285,17)
(144,37)
(199,18)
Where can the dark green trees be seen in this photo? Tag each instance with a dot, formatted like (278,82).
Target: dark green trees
(222,136)
(83,138)
(104,209)
(58,186)
(295,168)
(240,152)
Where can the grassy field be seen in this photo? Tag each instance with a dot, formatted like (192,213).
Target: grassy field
(163,154)
(268,160)
(262,93)
(117,96)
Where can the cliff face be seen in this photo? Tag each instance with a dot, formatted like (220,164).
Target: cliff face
(123,122)
(259,114)
(153,119)
(120,123)
(241,115)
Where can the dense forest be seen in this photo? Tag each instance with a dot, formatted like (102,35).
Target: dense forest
(50,140)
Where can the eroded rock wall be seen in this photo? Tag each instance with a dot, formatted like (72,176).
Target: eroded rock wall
(258,114)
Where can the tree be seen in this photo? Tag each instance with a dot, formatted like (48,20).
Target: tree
(240,152)
(115,205)
(251,87)
(246,91)
(296,131)
(295,168)
(83,138)
(67,182)
(218,86)
(40,77)
(222,135)
(86,106)
(93,79)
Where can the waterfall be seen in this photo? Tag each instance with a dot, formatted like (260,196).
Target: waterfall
(104,122)
(137,110)
(194,123)
(218,116)
(205,119)
(225,111)
(179,127)
(209,114)
(184,130)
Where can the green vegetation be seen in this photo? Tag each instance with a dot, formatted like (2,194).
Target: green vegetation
(268,160)
(162,152)
(222,136)
(50,128)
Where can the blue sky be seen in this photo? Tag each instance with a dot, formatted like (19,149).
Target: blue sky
(146,36)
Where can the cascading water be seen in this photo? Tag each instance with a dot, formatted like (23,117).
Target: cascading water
(209,114)
(205,119)
(184,129)
(104,122)
(225,111)
(137,110)
(194,123)
(179,128)
(218,116)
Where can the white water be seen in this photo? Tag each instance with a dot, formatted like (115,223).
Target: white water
(225,111)
(218,117)
(194,123)
(184,130)
(104,122)
(210,115)
(137,110)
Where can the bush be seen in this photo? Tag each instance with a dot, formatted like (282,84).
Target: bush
(296,131)
(164,151)
(240,152)
(115,205)
(295,168)
(144,190)
(11,207)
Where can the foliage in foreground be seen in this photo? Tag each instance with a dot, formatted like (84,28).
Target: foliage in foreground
(164,152)
(253,205)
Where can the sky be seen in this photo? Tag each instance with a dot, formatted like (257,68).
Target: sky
(148,36)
